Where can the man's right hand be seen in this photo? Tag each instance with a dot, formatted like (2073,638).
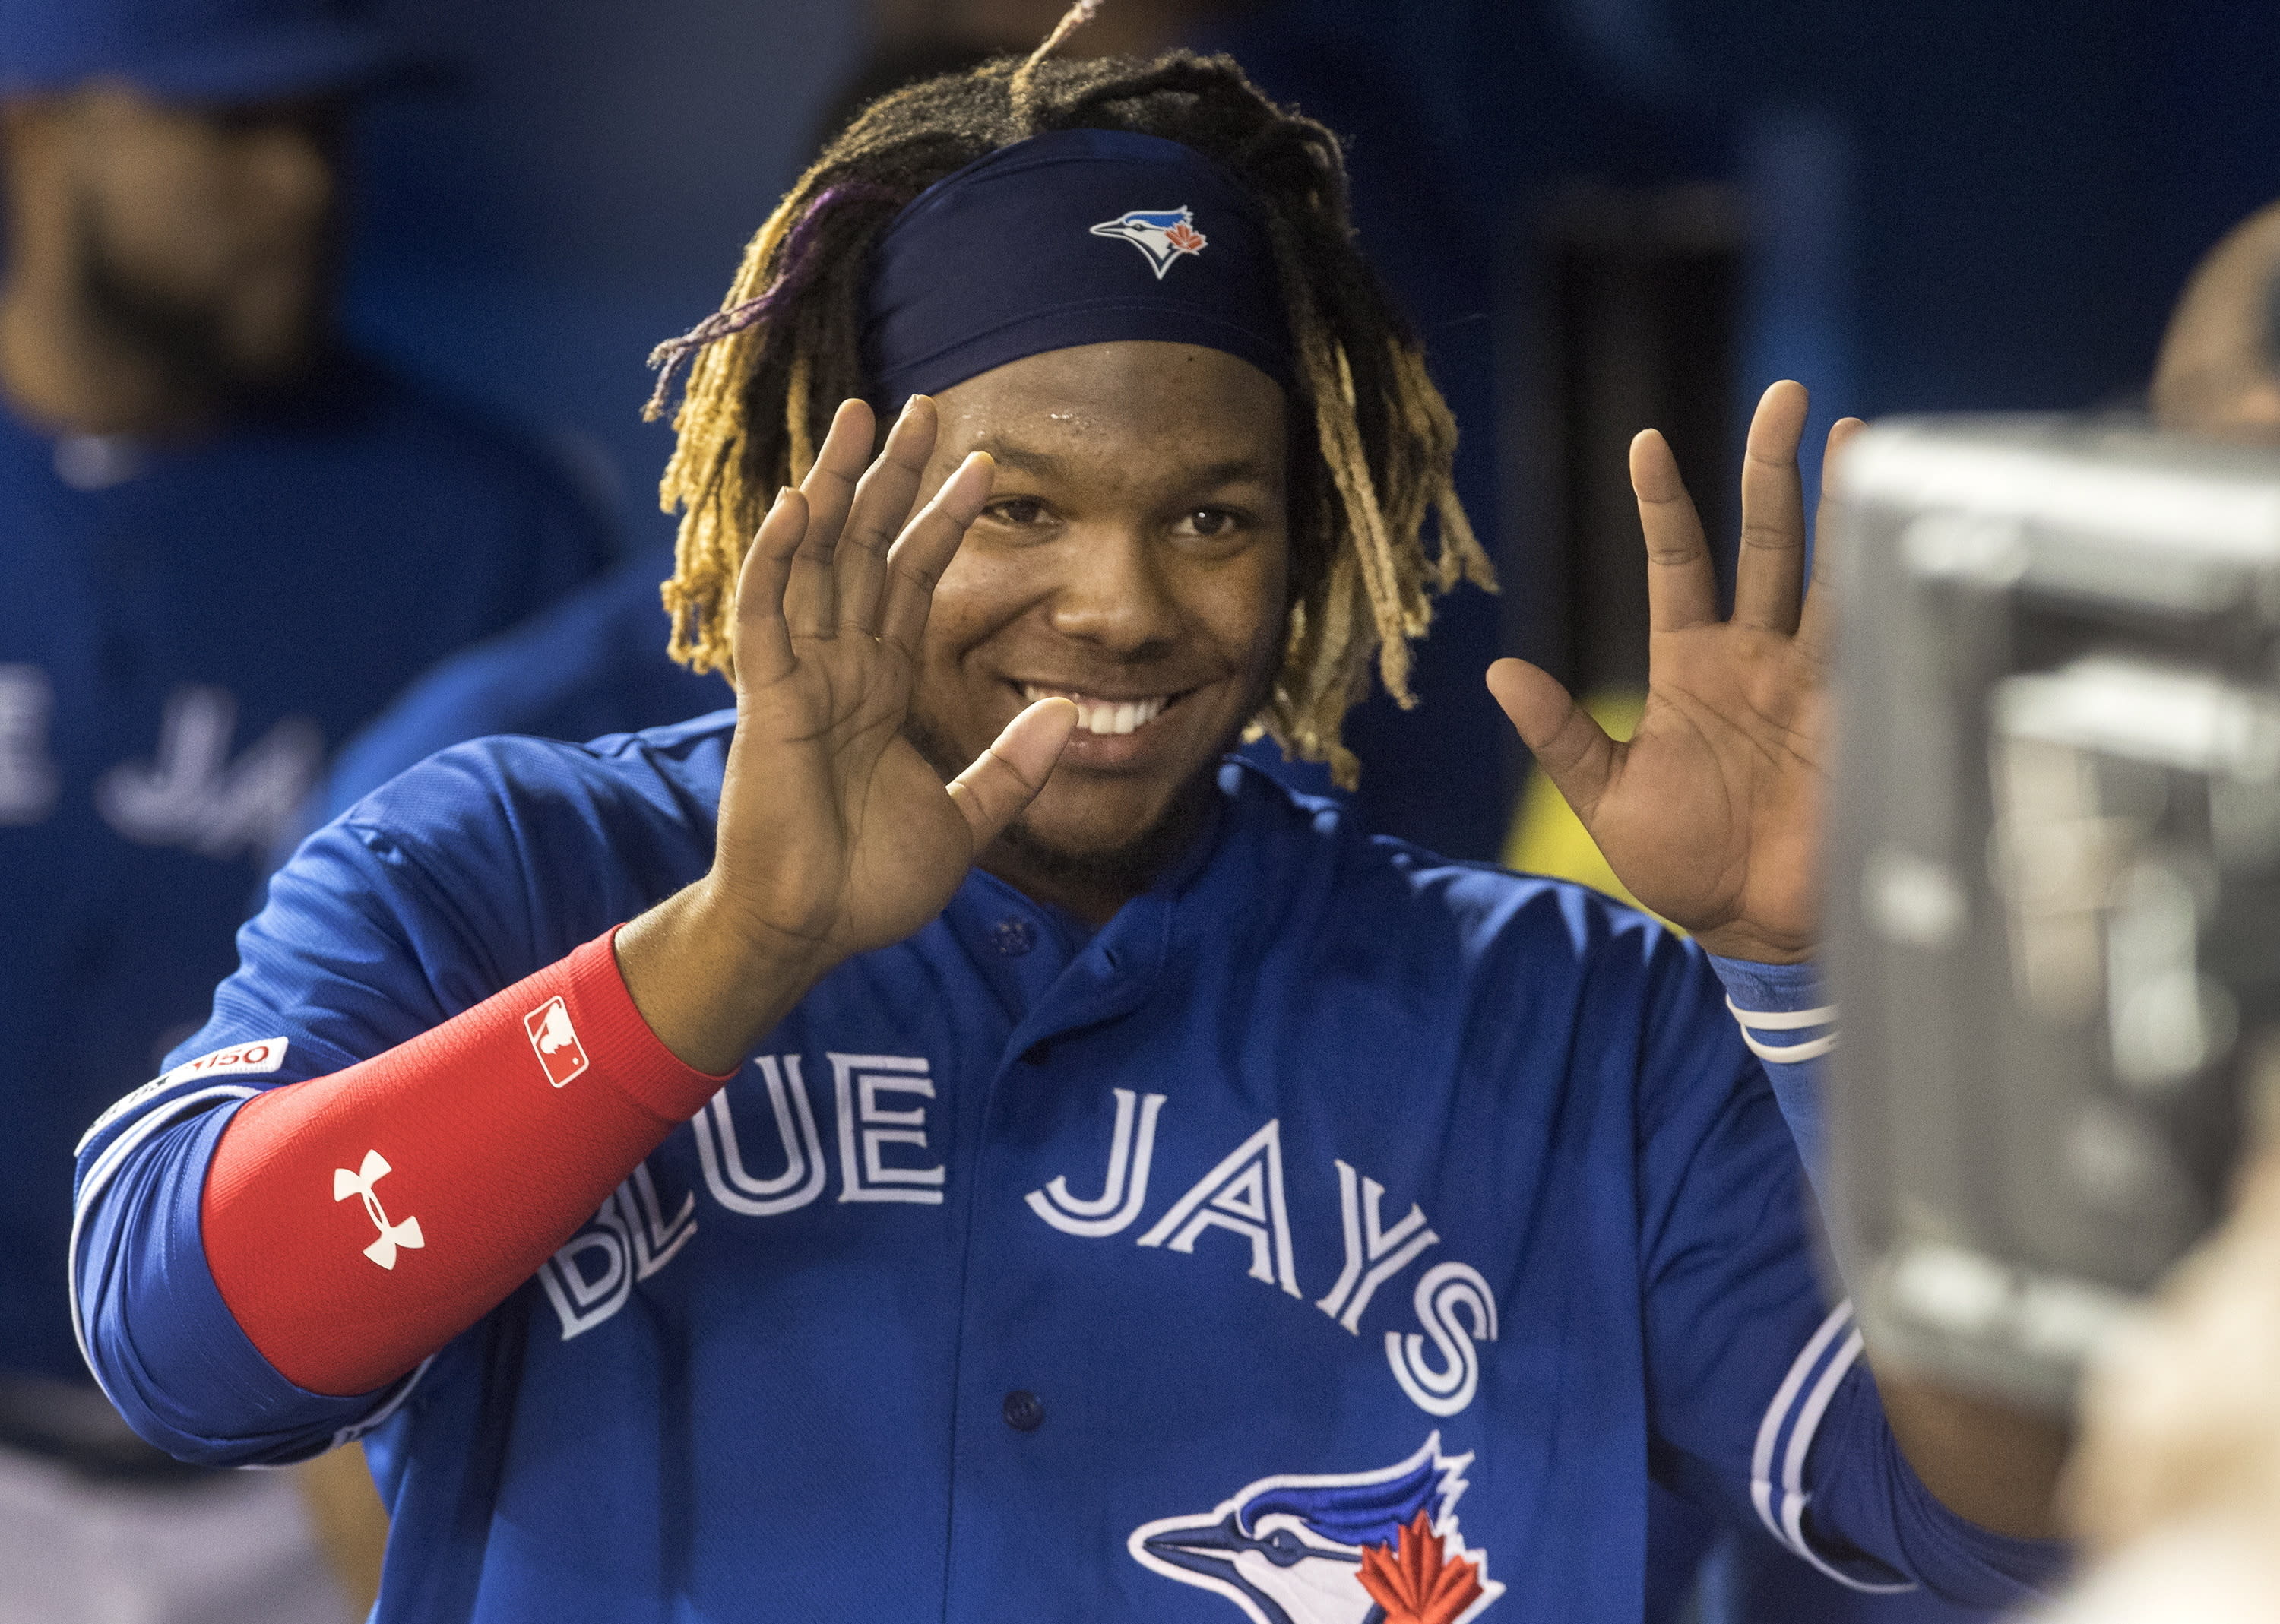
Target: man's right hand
(835,834)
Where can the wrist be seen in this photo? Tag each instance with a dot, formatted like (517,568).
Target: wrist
(1754,984)
(708,984)
(718,914)
(1740,942)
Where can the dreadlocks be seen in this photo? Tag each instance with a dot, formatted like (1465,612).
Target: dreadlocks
(771,366)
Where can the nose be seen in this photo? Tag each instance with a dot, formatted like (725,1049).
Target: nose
(1112,592)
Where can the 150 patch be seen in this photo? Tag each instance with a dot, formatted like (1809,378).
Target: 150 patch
(262,1054)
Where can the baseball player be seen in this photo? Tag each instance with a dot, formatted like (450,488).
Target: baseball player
(939,1143)
(225,541)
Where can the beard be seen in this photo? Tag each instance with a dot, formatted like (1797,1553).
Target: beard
(192,340)
(1130,868)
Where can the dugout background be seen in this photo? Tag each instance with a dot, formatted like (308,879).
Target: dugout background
(1604,212)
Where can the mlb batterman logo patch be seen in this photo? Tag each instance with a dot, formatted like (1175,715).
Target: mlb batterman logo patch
(553,1041)
(1160,234)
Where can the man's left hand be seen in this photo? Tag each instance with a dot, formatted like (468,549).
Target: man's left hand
(1711,813)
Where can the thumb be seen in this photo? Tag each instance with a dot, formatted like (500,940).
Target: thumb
(1574,751)
(1007,776)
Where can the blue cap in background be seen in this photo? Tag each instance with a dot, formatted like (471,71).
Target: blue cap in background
(200,50)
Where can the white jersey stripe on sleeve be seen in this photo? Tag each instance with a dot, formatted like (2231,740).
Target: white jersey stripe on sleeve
(1790,1054)
(263,1054)
(1762,1462)
(1780,1020)
(1800,1440)
(156,1115)
(158,1112)
(1753,1021)
(106,1168)
(1794,1498)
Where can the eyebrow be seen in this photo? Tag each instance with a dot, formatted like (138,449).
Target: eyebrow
(1045,464)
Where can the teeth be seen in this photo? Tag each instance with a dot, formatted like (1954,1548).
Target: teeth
(1104,716)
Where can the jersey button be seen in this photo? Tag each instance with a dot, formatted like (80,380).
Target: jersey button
(1013,937)
(1025,1411)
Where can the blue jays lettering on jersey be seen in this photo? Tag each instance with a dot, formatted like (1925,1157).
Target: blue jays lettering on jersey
(1338,1234)
(184,632)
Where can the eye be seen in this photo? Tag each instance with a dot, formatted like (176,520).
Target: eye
(1210,524)
(1017,511)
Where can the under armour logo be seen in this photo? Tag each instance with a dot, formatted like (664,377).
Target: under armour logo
(374,1169)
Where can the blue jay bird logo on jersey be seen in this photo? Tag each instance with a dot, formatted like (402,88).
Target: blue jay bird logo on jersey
(1378,1547)
(1161,235)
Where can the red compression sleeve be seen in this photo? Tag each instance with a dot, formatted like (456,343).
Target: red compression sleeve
(356,1223)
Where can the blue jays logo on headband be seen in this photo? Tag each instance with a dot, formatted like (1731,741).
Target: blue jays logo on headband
(1378,1547)
(1162,234)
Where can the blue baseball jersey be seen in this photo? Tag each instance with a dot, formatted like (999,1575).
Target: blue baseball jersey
(1338,1234)
(186,631)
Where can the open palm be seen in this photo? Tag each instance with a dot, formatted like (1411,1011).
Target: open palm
(835,836)
(1711,813)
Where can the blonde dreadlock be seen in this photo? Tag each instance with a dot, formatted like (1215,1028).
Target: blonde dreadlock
(784,349)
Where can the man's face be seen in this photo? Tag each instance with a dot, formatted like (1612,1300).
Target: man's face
(1134,556)
(204,233)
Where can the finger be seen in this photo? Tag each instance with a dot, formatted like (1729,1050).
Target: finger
(829,486)
(1007,776)
(1817,626)
(915,563)
(1574,751)
(1682,589)
(811,601)
(882,507)
(810,591)
(1769,574)
(761,642)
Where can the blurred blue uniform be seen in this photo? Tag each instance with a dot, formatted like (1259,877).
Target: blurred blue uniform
(593,663)
(185,633)
(1438,1213)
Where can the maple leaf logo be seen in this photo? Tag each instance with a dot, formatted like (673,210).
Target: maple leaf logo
(1185,238)
(1416,1582)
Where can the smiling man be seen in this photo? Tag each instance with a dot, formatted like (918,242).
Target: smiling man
(1133,558)
(942,1144)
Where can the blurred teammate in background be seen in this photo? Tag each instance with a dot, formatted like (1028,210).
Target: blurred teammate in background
(228,542)
(2178,1475)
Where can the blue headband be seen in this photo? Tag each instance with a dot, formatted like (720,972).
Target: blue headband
(1077,237)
